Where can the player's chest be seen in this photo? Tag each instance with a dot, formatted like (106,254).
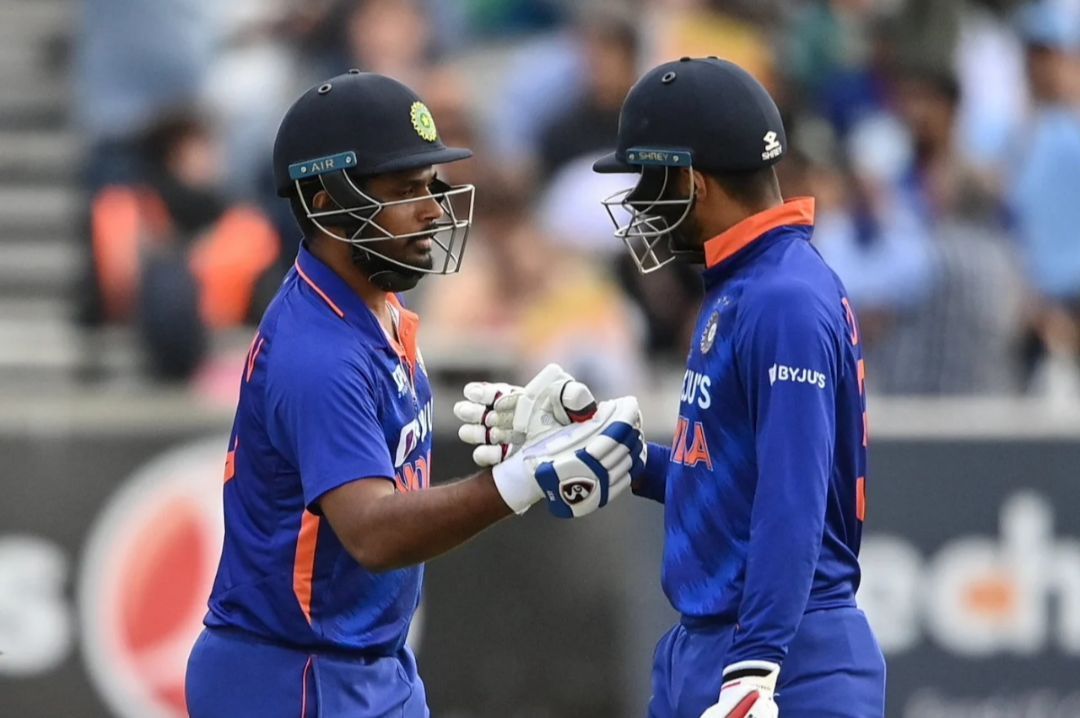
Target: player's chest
(404,407)
(712,404)
(711,370)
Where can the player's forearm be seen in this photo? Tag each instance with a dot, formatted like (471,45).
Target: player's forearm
(652,482)
(404,529)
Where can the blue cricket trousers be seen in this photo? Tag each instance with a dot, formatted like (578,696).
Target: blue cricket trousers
(234,675)
(834,669)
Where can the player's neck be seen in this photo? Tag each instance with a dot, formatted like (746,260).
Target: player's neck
(377,300)
(730,214)
(338,257)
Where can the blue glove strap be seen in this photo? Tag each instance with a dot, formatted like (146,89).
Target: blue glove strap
(549,482)
(548,479)
(598,470)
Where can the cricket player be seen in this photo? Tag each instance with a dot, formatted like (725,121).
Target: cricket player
(764,484)
(329,513)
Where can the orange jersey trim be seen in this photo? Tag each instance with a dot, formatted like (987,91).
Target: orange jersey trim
(304,563)
(408,330)
(230,461)
(798,211)
(860,498)
(253,354)
(320,292)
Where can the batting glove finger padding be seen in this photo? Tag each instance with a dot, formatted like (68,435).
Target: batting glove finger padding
(510,416)
(490,455)
(487,393)
(479,434)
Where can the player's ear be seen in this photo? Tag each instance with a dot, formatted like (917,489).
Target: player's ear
(701,187)
(321,201)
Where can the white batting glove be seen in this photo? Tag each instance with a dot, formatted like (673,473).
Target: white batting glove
(499,417)
(577,468)
(747,692)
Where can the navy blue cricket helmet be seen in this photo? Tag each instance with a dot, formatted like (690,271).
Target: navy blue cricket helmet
(696,113)
(355,126)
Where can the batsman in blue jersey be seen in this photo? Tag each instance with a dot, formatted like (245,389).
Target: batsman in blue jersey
(329,508)
(764,485)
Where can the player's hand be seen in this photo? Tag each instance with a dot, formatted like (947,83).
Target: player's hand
(747,691)
(577,468)
(498,418)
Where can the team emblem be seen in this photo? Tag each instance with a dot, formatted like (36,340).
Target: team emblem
(709,336)
(423,122)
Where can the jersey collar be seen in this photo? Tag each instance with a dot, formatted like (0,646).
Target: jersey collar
(347,304)
(408,329)
(798,211)
(332,289)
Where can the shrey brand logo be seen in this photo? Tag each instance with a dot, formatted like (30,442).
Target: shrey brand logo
(779,372)
(1016,593)
(772,146)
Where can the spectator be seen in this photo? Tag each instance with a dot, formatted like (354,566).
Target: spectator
(874,239)
(698,28)
(132,60)
(542,80)
(1045,189)
(251,83)
(522,289)
(834,54)
(963,338)
(391,37)
(170,255)
(990,63)
(609,51)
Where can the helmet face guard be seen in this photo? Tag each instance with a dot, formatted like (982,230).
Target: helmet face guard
(645,216)
(358,212)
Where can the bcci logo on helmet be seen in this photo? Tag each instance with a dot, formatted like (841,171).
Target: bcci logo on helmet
(578,490)
(423,122)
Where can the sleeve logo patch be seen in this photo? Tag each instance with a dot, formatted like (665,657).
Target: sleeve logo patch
(795,375)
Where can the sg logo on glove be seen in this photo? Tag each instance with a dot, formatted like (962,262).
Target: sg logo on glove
(576,491)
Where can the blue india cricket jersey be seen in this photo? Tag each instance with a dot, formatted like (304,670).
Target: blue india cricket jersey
(327,398)
(764,482)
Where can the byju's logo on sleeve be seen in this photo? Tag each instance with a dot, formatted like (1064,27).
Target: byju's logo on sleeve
(779,372)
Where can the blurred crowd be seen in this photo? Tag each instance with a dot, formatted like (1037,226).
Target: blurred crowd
(940,139)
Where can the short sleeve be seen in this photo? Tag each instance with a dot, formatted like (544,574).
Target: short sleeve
(324,417)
